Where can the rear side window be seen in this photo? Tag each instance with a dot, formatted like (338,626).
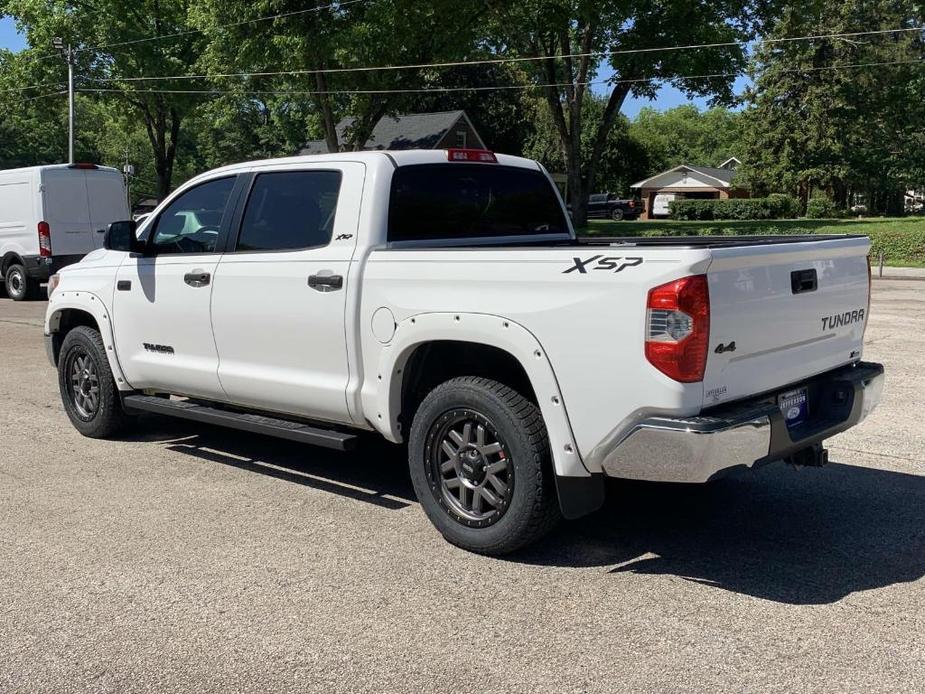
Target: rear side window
(471,201)
(289,210)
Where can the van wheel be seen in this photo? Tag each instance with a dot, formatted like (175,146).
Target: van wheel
(616,214)
(19,286)
(88,388)
(480,465)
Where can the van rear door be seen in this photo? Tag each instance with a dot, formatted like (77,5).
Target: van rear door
(67,211)
(107,201)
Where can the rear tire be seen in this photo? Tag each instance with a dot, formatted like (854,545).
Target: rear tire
(19,286)
(616,214)
(88,388)
(480,465)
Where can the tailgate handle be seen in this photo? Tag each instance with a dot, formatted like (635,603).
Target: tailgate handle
(804,281)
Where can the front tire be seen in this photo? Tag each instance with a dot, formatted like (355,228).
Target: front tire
(88,388)
(480,465)
(19,286)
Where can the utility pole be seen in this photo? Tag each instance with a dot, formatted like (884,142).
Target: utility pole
(69,55)
(128,171)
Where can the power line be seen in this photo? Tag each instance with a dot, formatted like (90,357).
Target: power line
(502,87)
(44,96)
(499,61)
(24,89)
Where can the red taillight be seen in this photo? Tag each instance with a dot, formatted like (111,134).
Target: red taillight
(476,155)
(631,204)
(83,165)
(678,328)
(44,240)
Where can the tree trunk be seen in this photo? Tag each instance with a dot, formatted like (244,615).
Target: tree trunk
(323,101)
(158,124)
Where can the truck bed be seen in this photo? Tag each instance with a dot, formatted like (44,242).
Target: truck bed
(707,241)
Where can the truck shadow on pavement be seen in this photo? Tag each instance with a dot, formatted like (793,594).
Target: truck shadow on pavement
(375,474)
(802,537)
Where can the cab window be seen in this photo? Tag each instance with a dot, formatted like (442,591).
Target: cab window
(290,210)
(191,223)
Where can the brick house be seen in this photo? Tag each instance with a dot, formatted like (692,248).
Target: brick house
(685,181)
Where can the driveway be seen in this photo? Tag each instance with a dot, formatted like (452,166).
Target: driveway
(185,557)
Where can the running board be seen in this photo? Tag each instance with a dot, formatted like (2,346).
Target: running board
(254,423)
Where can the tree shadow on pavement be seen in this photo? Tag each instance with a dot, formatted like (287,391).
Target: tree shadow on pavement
(809,536)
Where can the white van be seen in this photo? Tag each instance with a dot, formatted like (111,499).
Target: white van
(52,216)
(660,206)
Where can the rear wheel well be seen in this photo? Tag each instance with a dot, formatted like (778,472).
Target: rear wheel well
(65,321)
(436,362)
(9,259)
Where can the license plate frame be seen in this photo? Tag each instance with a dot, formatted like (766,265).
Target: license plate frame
(794,406)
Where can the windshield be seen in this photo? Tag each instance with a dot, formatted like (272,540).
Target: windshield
(472,201)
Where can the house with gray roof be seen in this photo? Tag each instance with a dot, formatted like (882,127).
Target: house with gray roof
(687,182)
(442,130)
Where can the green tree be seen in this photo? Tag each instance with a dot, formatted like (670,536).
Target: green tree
(113,43)
(839,116)
(687,135)
(624,160)
(560,28)
(321,50)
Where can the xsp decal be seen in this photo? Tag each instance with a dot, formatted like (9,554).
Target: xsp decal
(343,237)
(608,263)
(841,319)
(160,349)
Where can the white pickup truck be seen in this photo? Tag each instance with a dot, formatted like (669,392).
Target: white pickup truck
(441,298)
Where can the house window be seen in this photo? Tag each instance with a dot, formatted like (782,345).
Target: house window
(461,138)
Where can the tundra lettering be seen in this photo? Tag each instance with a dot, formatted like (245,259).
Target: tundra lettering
(842,319)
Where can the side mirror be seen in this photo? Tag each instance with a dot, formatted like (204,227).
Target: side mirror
(121,236)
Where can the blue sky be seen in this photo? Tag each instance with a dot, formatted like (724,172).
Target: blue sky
(8,36)
(668,97)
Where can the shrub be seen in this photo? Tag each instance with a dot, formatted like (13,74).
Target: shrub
(784,206)
(897,246)
(820,208)
(771,207)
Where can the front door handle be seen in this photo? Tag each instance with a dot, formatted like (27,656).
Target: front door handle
(197,278)
(326,283)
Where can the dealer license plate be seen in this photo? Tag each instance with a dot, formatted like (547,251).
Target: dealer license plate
(794,405)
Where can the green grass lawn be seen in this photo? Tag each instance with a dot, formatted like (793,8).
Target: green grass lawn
(669,227)
(901,239)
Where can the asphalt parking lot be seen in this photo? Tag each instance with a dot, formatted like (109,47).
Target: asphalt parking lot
(187,558)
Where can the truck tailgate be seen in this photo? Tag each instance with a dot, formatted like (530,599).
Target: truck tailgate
(782,313)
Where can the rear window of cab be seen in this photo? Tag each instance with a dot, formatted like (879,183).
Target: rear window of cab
(472,201)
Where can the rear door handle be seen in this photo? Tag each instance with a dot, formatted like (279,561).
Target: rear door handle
(197,278)
(326,283)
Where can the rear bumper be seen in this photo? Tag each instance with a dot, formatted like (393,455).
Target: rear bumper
(40,268)
(37,268)
(747,434)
